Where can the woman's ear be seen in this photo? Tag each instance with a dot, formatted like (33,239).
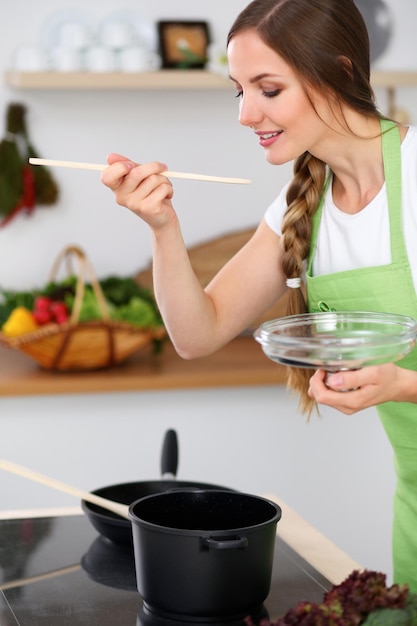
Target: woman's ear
(346,65)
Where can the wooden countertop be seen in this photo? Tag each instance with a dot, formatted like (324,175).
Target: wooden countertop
(241,362)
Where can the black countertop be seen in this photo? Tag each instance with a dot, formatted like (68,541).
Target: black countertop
(56,571)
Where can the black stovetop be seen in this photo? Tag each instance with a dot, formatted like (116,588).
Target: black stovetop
(57,571)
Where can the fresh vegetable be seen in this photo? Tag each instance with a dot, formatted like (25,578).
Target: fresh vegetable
(138,312)
(126,300)
(21,185)
(59,312)
(19,322)
(90,309)
(388,617)
(10,300)
(361,599)
(395,617)
(47,310)
(120,290)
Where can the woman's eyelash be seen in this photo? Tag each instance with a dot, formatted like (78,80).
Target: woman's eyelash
(271,94)
(267,94)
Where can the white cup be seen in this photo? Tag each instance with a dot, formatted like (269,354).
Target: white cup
(100,59)
(137,59)
(65,59)
(117,34)
(30,58)
(74,35)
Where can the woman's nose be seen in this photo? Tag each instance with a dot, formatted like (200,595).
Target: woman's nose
(248,115)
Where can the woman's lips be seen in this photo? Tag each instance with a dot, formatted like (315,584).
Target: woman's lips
(268,138)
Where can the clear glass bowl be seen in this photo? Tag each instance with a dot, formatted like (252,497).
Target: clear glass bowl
(339,340)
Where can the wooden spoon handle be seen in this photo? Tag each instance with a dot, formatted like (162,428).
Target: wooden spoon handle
(99,167)
(110,505)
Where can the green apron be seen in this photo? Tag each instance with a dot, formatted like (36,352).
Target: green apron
(387,288)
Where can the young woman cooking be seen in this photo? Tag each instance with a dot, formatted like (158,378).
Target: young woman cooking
(345,226)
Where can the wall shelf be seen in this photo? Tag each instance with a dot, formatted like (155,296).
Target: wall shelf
(393,79)
(162,79)
(390,81)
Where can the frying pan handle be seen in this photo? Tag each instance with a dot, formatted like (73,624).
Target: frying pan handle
(169,455)
(225,543)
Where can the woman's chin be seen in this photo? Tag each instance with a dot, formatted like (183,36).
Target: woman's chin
(274,159)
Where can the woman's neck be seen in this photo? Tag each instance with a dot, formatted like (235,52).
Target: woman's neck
(357,165)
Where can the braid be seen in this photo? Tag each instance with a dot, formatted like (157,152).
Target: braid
(303,197)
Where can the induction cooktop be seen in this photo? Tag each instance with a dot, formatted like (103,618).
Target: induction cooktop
(57,571)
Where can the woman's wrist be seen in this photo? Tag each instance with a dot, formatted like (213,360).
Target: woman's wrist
(408,386)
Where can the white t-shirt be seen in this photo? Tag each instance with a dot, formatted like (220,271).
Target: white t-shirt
(348,241)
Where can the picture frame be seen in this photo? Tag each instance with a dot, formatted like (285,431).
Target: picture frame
(183,44)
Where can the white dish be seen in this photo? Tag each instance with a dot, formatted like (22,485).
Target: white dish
(30,58)
(144,29)
(68,22)
(337,340)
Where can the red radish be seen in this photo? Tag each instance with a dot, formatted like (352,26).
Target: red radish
(58,308)
(61,318)
(47,310)
(42,303)
(42,316)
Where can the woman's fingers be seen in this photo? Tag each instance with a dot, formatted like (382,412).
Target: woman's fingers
(352,391)
(140,188)
(114,157)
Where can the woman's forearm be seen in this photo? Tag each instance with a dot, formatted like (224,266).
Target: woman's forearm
(200,321)
(188,312)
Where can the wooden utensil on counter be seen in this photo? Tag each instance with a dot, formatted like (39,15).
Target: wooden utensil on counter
(168,174)
(110,505)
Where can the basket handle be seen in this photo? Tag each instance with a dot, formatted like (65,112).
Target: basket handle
(85,269)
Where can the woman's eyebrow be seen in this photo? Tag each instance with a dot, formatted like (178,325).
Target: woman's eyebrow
(258,77)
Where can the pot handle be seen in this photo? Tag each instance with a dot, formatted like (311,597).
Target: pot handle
(225,543)
(169,455)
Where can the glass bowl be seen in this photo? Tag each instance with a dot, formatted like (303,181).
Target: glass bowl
(339,340)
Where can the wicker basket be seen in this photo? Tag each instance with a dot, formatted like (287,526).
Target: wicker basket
(78,346)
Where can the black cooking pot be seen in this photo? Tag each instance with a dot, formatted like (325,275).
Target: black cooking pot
(113,527)
(204,555)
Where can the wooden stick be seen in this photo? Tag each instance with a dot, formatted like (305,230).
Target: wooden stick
(115,507)
(22,582)
(168,174)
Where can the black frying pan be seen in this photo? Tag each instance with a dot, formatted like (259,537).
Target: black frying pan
(113,527)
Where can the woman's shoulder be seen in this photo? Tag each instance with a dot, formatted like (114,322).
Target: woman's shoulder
(410,138)
(275,212)
(409,152)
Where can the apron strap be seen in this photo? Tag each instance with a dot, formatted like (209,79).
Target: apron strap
(315,223)
(391,153)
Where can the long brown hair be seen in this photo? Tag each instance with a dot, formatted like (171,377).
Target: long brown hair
(326,43)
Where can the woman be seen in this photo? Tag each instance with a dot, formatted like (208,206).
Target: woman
(345,225)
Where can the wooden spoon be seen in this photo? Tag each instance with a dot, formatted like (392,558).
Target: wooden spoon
(100,167)
(109,505)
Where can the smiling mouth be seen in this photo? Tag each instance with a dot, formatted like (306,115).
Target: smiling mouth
(265,136)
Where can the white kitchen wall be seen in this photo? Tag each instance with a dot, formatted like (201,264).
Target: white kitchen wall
(336,470)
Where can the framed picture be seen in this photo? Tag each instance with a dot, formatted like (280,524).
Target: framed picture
(183,44)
